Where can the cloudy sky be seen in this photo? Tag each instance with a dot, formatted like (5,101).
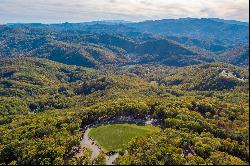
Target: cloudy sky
(57,11)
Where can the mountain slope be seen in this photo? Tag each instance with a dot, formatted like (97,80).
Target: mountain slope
(202,29)
(180,42)
(92,50)
(214,76)
(237,56)
(44,106)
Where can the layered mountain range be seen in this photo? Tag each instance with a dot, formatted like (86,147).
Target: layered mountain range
(188,76)
(180,42)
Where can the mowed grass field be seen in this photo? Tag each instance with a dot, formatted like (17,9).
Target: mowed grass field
(114,137)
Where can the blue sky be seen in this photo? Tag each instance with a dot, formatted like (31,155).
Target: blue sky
(57,11)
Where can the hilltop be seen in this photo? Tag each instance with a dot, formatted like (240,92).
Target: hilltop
(164,42)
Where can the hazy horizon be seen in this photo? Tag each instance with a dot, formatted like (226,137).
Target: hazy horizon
(116,21)
(75,11)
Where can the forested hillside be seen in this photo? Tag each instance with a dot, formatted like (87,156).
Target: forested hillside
(44,104)
(164,42)
(201,29)
(187,80)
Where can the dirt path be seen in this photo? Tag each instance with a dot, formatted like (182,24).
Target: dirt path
(87,142)
(111,159)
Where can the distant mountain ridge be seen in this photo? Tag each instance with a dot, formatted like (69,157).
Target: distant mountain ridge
(171,42)
(201,29)
(127,22)
(230,21)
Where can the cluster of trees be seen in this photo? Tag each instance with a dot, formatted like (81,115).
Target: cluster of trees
(45,138)
(220,121)
(96,45)
(85,159)
(177,147)
(43,106)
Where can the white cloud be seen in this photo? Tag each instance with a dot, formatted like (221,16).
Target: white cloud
(133,10)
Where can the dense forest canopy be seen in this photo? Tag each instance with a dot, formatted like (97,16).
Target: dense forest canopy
(179,42)
(57,79)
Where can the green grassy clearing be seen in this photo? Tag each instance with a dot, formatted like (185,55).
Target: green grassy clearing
(114,137)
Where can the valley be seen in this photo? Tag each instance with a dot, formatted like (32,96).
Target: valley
(146,93)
